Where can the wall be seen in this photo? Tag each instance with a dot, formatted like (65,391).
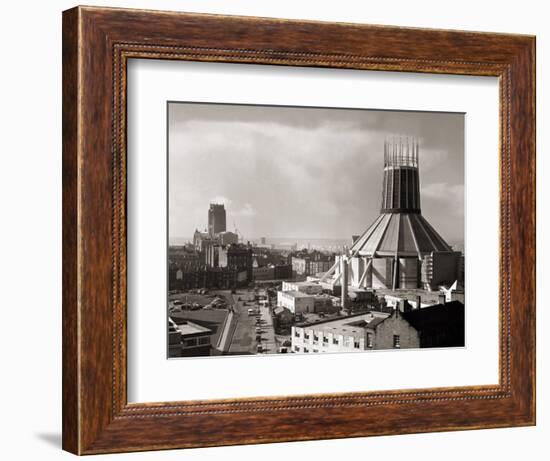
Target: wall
(396,325)
(295,304)
(30,187)
(344,343)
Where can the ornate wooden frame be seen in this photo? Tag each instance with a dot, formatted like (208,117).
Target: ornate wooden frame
(97,43)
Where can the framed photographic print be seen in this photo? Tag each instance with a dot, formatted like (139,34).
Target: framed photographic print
(280,230)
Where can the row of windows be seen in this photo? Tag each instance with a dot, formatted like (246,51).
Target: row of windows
(306,350)
(356,344)
(335,340)
(201,341)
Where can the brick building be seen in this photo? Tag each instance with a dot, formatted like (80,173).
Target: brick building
(355,333)
(311,263)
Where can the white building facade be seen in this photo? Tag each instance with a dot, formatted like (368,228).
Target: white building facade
(375,330)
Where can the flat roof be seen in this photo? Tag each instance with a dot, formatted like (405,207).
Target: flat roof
(296,294)
(348,325)
(411,294)
(190,328)
(305,282)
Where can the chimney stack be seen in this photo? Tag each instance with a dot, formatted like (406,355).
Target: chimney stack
(344,269)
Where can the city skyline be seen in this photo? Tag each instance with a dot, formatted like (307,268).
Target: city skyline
(297,180)
(376,198)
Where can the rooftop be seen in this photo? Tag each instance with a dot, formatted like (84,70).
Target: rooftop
(191,328)
(279,309)
(428,297)
(400,234)
(212,319)
(296,294)
(437,317)
(349,325)
(305,283)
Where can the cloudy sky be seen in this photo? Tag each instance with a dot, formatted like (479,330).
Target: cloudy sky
(303,173)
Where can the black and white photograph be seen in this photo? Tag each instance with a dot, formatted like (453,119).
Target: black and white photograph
(305,230)
(275,230)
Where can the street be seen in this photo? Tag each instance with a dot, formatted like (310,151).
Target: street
(244,336)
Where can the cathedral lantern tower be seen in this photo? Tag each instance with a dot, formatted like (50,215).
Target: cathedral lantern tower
(401,184)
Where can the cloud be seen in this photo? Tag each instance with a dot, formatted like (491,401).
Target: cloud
(288,172)
(220,199)
(443,192)
(246,211)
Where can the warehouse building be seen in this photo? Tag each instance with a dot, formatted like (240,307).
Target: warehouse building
(356,333)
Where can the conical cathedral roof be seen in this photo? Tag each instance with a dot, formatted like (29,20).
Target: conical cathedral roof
(400,230)
(399,235)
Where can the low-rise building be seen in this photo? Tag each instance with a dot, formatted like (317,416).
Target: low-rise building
(283,271)
(300,265)
(355,333)
(440,325)
(208,277)
(188,339)
(272,272)
(299,302)
(310,288)
(195,339)
(295,301)
(415,298)
(324,304)
(264,273)
(174,339)
(184,257)
(320,267)
(311,263)
(213,319)
(237,257)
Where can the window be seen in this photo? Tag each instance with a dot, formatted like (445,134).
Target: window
(204,340)
(315,338)
(306,350)
(306,336)
(356,344)
(396,341)
(190,342)
(325,339)
(369,340)
(297,348)
(334,340)
(296,333)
